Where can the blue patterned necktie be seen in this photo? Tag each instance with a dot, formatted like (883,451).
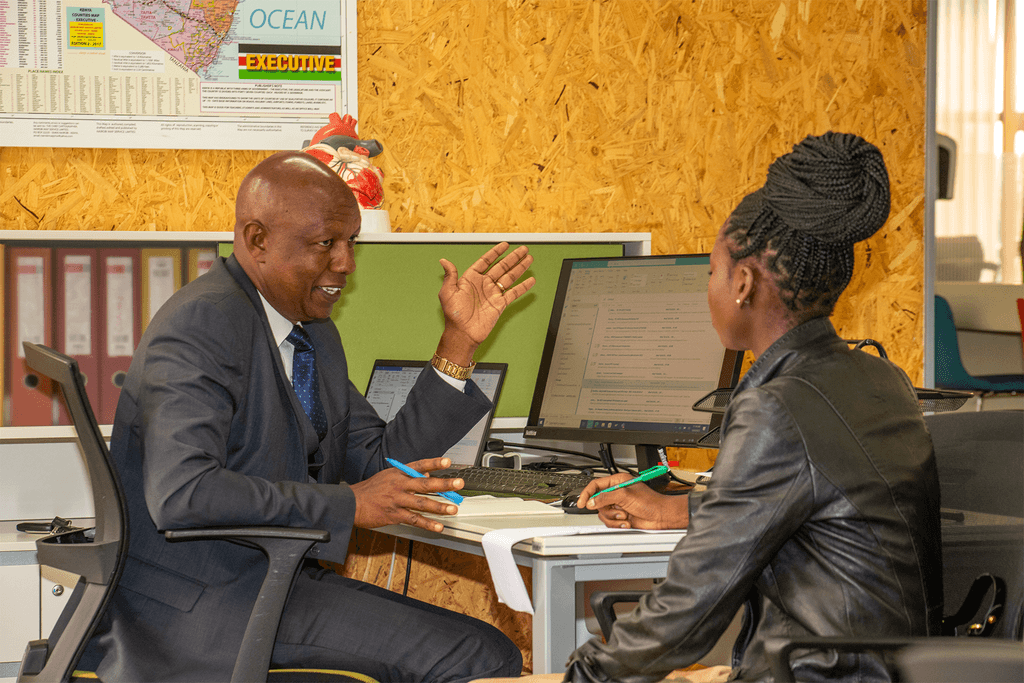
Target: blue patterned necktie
(304,379)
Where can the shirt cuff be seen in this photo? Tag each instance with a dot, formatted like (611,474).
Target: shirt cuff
(459,384)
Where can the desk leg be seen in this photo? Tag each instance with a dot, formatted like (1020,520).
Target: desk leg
(557,584)
(554,614)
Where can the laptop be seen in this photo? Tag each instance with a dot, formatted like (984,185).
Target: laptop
(392,380)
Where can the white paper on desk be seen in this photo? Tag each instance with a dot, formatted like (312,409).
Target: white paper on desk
(508,582)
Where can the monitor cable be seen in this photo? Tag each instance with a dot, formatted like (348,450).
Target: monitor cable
(495,445)
(554,465)
(499,445)
(605,451)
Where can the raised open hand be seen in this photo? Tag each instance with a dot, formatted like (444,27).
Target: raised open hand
(472,303)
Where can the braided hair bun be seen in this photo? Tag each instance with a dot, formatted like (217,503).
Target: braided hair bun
(829,193)
(834,188)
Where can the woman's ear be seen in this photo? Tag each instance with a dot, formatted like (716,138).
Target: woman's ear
(744,281)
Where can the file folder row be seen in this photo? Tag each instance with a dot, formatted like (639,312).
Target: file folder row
(91,303)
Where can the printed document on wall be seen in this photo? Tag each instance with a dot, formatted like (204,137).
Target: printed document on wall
(259,74)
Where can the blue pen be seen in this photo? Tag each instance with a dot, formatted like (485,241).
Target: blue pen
(450,495)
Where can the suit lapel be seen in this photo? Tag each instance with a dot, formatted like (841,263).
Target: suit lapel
(310,441)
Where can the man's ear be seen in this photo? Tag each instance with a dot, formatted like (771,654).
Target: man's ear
(254,237)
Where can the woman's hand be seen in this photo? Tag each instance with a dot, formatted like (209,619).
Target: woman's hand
(634,507)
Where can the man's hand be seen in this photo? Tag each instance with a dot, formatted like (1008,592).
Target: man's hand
(635,507)
(390,497)
(472,303)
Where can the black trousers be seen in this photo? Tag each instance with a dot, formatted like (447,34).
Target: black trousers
(332,622)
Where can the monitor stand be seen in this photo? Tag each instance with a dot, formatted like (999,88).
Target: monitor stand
(647,456)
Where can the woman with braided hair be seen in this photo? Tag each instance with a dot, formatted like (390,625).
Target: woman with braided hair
(821,517)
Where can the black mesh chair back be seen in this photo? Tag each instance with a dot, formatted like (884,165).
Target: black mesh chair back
(96,555)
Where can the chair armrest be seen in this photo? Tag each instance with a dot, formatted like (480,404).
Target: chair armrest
(284,547)
(231,533)
(603,604)
(778,650)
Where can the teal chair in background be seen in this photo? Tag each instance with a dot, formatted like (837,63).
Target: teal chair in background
(949,368)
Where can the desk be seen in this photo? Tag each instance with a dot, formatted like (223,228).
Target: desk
(560,564)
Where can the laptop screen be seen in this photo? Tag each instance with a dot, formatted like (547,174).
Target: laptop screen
(392,380)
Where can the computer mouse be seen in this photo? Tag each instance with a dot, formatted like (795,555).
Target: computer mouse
(569,506)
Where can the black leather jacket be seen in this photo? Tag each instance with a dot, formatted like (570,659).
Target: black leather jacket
(822,516)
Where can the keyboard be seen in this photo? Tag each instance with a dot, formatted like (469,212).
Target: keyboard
(522,483)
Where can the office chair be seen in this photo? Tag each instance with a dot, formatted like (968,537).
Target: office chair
(949,368)
(97,556)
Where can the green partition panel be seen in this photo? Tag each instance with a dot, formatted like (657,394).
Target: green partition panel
(390,309)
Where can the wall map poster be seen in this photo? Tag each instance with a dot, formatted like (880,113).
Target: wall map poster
(174,74)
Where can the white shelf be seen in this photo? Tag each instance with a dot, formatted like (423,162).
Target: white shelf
(55,434)
(637,243)
(111,236)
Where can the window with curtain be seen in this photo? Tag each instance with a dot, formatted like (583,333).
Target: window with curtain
(979,104)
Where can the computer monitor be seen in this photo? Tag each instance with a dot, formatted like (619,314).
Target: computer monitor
(629,349)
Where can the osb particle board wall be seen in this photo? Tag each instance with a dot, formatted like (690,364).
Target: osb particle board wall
(623,115)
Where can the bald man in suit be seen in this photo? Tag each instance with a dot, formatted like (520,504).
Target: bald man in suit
(210,431)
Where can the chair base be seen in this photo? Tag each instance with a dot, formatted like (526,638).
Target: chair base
(316,676)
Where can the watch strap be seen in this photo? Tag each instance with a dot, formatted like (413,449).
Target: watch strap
(451,369)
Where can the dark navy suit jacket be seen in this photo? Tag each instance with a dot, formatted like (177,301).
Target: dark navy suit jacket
(209,432)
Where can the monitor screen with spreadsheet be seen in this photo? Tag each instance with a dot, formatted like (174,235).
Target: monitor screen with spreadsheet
(392,380)
(629,349)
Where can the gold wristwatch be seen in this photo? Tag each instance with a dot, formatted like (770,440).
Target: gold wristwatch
(451,369)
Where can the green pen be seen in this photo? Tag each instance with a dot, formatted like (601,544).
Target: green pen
(649,473)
